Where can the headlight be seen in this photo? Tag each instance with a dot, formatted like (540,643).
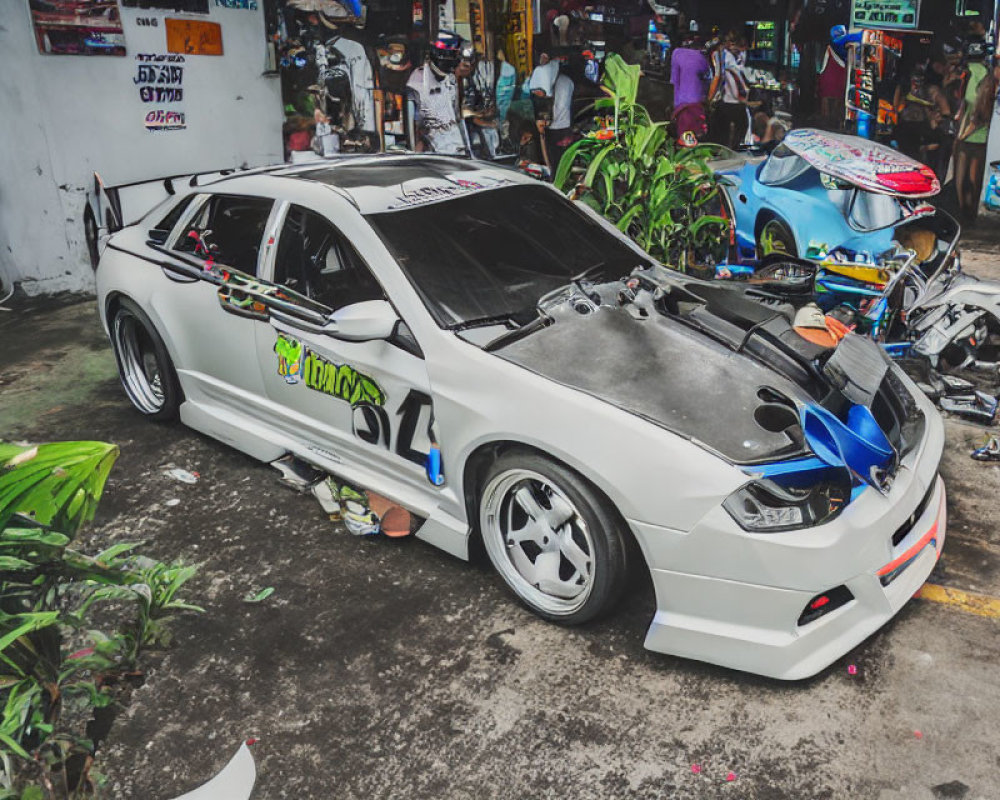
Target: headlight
(765,507)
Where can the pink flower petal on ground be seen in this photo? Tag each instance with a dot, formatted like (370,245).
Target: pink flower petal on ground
(852,670)
(696,768)
(731,776)
(918,734)
(87,651)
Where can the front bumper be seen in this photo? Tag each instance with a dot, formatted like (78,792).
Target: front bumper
(735,599)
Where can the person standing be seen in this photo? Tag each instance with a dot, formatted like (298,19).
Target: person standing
(920,106)
(688,68)
(730,119)
(833,76)
(559,134)
(973,132)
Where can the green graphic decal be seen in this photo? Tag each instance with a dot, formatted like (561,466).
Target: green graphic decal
(296,361)
(290,353)
(340,380)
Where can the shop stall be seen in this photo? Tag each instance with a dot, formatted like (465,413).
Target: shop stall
(345,64)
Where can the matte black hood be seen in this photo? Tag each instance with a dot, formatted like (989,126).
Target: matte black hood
(676,378)
(701,360)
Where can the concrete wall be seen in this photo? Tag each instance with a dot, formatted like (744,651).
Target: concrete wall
(64,116)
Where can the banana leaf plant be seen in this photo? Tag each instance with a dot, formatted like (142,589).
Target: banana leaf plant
(663,196)
(47,590)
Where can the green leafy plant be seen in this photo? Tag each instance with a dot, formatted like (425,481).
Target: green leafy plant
(48,591)
(661,195)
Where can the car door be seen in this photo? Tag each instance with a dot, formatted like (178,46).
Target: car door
(365,403)
(215,241)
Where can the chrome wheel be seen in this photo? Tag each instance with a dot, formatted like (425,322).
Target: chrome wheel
(142,374)
(538,541)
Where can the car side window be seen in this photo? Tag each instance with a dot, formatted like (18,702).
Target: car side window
(229,229)
(314,259)
(172,218)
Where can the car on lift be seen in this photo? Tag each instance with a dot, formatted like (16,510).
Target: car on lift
(816,192)
(591,408)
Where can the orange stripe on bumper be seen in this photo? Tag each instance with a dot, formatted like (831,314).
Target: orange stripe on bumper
(914,551)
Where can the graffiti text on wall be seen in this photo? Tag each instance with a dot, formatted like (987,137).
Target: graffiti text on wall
(161,120)
(159,78)
(250,5)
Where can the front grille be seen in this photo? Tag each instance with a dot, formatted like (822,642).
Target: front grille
(907,526)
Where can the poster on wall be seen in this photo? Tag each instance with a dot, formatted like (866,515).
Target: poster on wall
(78,27)
(193,37)
(180,6)
(882,14)
(159,80)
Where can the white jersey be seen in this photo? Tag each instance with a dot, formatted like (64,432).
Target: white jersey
(362,78)
(437,110)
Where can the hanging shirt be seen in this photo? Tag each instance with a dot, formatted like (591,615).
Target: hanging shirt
(436,100)
(562,106)
(506,84)
(362,77)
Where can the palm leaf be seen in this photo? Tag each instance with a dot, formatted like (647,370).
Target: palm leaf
(58,485)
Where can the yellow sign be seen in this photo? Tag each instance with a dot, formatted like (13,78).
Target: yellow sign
(194,37)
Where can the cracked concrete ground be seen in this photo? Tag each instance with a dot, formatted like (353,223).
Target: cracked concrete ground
(385,668)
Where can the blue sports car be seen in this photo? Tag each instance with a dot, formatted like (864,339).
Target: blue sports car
(818,191)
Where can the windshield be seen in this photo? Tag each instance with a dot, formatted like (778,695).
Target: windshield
(871,211)
(783,166)
(492,255)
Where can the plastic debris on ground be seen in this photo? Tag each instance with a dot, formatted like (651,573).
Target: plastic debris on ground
(989,450)
(918,735)
(852,669)
(298,474)
(173,501)
(960,397)
(976,406)
(696,768)
(328,494)
(731,776)
(234,782)
(183,475)
(394,519)
(364,513)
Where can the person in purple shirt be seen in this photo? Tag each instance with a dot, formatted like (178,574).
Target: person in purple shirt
(688,68)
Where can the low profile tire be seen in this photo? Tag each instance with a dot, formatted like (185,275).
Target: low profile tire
(776,237)
(554,540)
(145,369)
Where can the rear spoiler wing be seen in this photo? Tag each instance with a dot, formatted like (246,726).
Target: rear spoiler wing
(111,208)
(107,201)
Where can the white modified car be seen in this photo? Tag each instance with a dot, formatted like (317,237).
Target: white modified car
(506,365)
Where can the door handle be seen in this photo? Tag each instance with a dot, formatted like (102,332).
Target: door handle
(177,274)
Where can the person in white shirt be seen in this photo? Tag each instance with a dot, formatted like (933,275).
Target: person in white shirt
(559,134)
(730,120)
(433,94)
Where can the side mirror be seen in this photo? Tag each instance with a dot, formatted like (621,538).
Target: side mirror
(363,322)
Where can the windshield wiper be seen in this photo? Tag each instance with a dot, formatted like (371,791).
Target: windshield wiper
(504,339)
(483,322)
